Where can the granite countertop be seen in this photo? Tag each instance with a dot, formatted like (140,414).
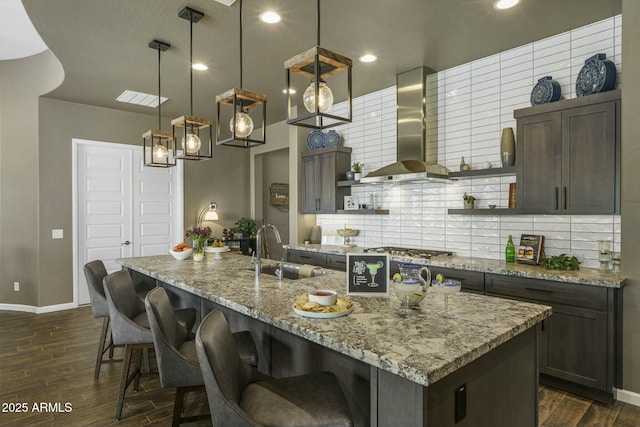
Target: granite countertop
(423,347)
(584,276)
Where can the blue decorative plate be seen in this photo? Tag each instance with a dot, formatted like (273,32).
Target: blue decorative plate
(315,139)
(597,75)
(545,91)
(332,139)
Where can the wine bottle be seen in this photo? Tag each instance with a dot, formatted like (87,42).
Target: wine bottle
(510,251)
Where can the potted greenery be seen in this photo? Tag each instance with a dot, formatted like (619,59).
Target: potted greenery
(357,170)
(246,226)
(469,201)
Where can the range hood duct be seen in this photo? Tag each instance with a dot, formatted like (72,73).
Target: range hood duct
(417,149)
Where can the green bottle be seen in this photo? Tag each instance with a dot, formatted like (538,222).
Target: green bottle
(510,251)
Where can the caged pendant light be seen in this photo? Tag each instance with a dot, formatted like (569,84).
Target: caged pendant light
(235,107)
(194,133)
(158,146)
(318,64)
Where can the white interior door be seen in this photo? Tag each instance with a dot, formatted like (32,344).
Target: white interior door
(124,209)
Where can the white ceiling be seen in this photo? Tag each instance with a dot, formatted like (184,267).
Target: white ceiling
(102,44)
(18,37)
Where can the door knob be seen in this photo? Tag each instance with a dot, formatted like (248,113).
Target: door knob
(126,243)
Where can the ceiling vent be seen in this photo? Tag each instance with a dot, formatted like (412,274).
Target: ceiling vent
(139,98)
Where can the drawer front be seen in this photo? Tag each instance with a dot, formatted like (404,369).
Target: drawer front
(305,257)
(337,262)
(546,291)
(472,281)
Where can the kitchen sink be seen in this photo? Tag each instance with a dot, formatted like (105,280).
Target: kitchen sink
(290,271)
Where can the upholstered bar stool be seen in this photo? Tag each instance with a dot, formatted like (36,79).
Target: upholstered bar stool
(94,273)
(176,352)
(238,395)
(130,327)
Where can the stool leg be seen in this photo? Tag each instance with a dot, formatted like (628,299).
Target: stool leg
(178,406)
(128,350)
(103,338)
(137,372)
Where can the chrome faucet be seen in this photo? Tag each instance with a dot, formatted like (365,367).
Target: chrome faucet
(258,260)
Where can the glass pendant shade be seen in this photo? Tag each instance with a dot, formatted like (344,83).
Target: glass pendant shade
(325,97)
(191,143)
(158,149)
(243,124)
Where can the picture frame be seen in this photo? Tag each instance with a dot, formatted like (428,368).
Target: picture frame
(367,274)
(350,203)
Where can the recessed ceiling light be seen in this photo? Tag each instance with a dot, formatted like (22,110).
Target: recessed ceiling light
(270,17)
(505,4)
(200,67)
(139,98)
(368,58)
(291,91)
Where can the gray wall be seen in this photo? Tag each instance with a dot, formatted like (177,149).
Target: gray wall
(630,247)
(275,169)
(21,82)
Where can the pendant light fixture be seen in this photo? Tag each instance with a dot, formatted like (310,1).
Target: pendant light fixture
(234,108)
(158,146)
(194,133)
(318,64)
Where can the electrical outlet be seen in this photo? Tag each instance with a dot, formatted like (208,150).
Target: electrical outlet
(57,234)
(16,286)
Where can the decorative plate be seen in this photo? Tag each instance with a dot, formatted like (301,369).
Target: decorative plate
(597,75)
(315,315)
(315,139)
(545,91)
(332,139)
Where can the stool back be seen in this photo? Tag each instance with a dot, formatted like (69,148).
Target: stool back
(94,273)
(129,322)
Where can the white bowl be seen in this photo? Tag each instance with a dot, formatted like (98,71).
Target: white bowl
(323,297)
(185,254)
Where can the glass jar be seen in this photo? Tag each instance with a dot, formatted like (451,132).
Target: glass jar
(411,287)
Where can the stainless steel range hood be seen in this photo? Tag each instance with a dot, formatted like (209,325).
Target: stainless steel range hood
(417,150)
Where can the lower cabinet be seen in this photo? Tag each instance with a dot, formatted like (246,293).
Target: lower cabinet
(320,259)
(579,345)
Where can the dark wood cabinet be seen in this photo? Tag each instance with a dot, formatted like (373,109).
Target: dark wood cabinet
(471,281)
(320,259)
(579,345)
(568,156)
(321,170)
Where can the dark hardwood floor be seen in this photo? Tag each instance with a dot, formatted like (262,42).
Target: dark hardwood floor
(48,358)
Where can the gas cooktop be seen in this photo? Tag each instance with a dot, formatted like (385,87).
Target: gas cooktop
(410,252)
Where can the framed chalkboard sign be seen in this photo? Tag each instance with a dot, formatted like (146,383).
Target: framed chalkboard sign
(367,274)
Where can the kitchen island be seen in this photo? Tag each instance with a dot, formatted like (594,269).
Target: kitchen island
(476,363)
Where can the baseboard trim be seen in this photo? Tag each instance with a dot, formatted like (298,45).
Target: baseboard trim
(627,396)
(37,310)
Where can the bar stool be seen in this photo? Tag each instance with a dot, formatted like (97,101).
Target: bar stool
(176,352)
(94,273)
(130,327)
(238,395)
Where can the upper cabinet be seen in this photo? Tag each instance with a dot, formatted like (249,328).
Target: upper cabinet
(321,170)
(568,156)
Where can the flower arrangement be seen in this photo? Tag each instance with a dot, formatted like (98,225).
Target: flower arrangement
(199,236)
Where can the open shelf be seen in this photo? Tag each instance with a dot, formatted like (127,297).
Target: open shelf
(363,211)
(484,173)
(483,211)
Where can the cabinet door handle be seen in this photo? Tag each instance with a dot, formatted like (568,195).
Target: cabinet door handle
(304,256)
(565,197)
(557,198)
(542,325)
(540,291)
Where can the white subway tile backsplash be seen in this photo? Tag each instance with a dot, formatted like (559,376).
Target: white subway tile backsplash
(468,107)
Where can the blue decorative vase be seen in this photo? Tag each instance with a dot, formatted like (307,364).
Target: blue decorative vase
(545,91)
(597,75)
(350,175)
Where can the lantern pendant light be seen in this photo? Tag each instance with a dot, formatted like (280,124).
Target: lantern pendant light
(158,146)
(194,133)
(318,64)
(234,108)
